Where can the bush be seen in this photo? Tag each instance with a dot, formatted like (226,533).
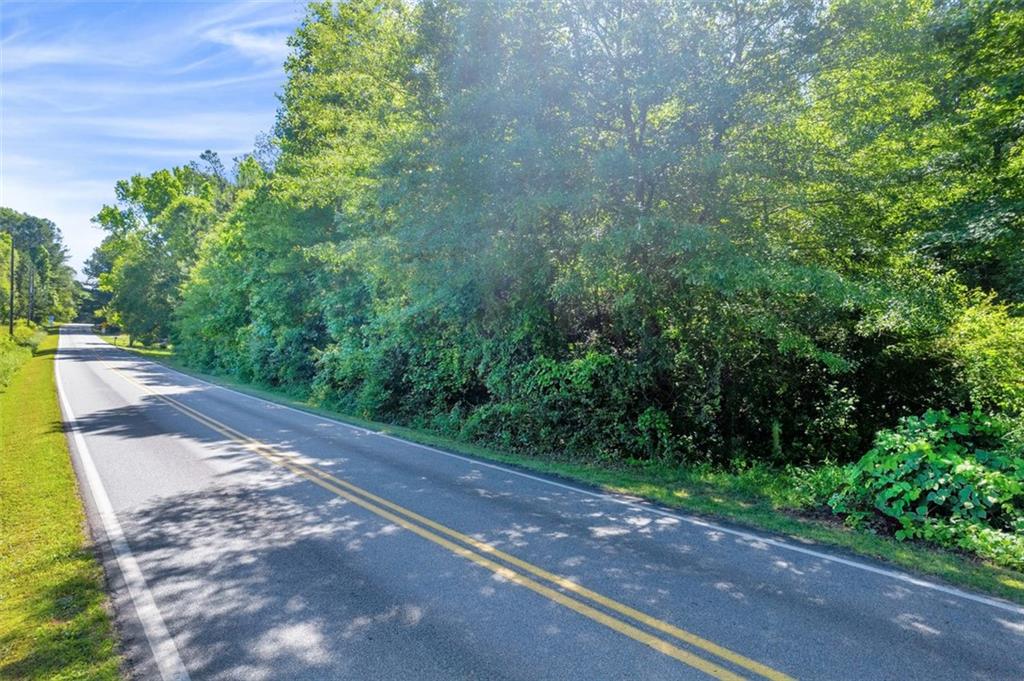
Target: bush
(12,356)
(957,481)
(28,335)
(811,487)
(987,343)
(586,407)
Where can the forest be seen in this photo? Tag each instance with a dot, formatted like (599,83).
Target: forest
(44,285)
(626,231)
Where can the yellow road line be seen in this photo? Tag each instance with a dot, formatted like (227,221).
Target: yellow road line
(339,487)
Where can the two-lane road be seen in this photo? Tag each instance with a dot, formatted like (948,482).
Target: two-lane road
(248,540)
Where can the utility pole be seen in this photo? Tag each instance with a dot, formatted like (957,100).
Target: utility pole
(31,291)
(10,322)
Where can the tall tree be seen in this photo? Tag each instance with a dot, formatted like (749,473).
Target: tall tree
(613,228)
(153,233)
(44,284)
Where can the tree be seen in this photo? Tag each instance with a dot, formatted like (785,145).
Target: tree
(142,283)
(979,226)
(153,233)
(43,282)
(617,229)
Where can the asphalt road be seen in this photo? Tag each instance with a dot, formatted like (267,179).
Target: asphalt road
(247,540)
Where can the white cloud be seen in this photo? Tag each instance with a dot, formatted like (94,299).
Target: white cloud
(244,16)
(96,92)
(200,128)
(33,90)
(20,57)
(261,47)
(258,35)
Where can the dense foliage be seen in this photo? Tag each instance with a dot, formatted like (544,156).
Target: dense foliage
(644,229)
(950,479)
(44,284)
(153,234)
(16,349)
(12,356)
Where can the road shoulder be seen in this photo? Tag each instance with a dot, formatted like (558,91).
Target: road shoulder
(54,614)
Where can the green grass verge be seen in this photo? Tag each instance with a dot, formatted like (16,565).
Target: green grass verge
(756,497)
(53,618)
(164,354)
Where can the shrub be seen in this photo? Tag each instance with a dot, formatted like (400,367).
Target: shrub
(587,407)
(28,335)
(12,356)
(957,481)
(987,343)
(810,487)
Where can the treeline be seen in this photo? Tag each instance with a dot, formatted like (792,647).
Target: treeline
(44,285)
(673,229)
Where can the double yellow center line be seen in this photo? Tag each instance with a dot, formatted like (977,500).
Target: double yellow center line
(487,556)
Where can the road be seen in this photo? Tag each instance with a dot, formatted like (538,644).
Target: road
(247,540)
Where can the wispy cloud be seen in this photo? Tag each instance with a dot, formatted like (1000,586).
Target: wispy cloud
(92,92)
(18,57)
(135,85)
(272,47)
(184,126)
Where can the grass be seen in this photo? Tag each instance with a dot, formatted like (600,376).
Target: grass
(753,496)
(53,618)
(164,354)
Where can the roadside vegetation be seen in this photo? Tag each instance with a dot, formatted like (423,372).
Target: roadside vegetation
(790,500)
(768,253)
(15,350)
(44,284)
(53,619)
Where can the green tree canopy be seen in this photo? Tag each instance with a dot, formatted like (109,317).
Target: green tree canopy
(44,283)
(629,229)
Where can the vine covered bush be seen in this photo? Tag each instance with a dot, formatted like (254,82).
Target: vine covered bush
(954,480)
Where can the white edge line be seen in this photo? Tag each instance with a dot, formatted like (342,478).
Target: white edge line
(165,652)
(645,507)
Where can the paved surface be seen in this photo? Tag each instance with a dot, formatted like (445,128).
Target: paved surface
(246,540)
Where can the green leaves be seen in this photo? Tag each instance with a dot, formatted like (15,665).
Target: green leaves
(153,236)
(43,283)
(965,467)
(674,230)
(987,342)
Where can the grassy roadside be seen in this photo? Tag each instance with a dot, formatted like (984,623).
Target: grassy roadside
(756,497)
(53,621)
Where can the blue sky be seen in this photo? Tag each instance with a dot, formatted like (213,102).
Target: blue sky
(93,92)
